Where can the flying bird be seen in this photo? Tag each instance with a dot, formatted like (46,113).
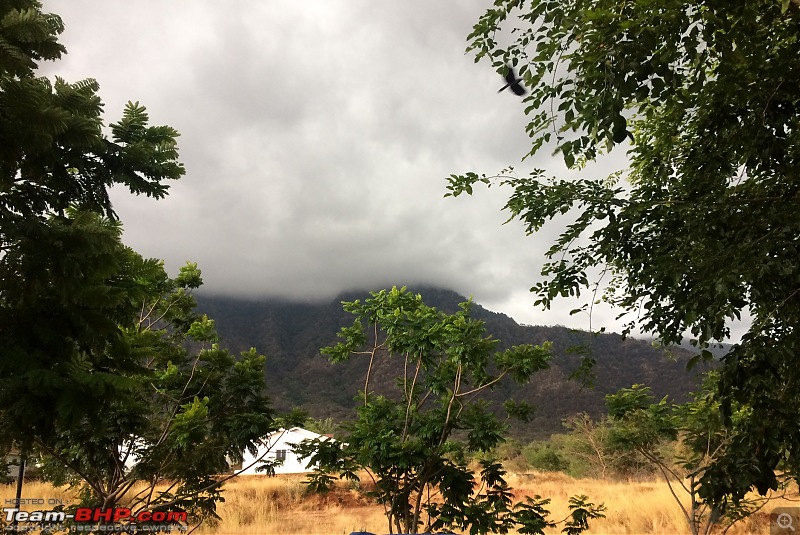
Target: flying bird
(513,83)
(620,130)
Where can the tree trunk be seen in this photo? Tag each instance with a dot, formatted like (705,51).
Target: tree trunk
(20,478)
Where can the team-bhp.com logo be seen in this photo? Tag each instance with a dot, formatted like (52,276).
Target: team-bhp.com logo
(114,519)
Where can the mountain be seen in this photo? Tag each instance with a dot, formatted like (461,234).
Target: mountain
(290,334)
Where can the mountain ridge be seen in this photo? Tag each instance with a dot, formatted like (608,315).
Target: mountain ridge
(291,333)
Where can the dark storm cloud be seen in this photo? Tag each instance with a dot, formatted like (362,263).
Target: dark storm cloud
(316,136)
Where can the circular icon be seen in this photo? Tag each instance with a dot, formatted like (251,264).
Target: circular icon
(784,521)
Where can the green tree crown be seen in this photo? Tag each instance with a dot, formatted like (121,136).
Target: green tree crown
(705,230)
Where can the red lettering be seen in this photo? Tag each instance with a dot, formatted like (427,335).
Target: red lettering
(159,516)
(120,513)
(103,514)
(177,516)
(83,514)
(144,516)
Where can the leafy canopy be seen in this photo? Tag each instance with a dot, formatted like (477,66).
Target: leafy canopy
(706,225)
(413,441)
(699,436)
(104,363)
(182,408)
(67,283)
(53,153)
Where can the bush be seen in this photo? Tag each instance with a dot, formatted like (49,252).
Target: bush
(543,456)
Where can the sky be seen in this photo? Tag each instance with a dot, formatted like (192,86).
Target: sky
(316,137)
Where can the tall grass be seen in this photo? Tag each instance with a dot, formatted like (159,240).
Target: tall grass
(51,496)
(632,507)
(279,505)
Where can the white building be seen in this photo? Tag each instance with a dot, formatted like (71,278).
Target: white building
(277,447)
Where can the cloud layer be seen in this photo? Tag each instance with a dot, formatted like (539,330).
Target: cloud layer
(316,137)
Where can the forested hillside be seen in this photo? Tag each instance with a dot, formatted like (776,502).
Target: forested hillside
(291,334)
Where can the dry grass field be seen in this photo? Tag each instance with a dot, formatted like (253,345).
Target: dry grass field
(260,505)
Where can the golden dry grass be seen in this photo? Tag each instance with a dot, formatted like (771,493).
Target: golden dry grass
(260,505)
(279,505)
(36,490)
(632,507)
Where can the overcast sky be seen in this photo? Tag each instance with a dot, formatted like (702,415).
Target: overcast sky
(316,136)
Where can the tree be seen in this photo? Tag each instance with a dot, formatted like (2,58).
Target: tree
(103,358)
(65,282)
(184,407)
(588,443)
(53,153)
(322,426)
(706,227)
(638,424)
(587,451)
(408,439)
